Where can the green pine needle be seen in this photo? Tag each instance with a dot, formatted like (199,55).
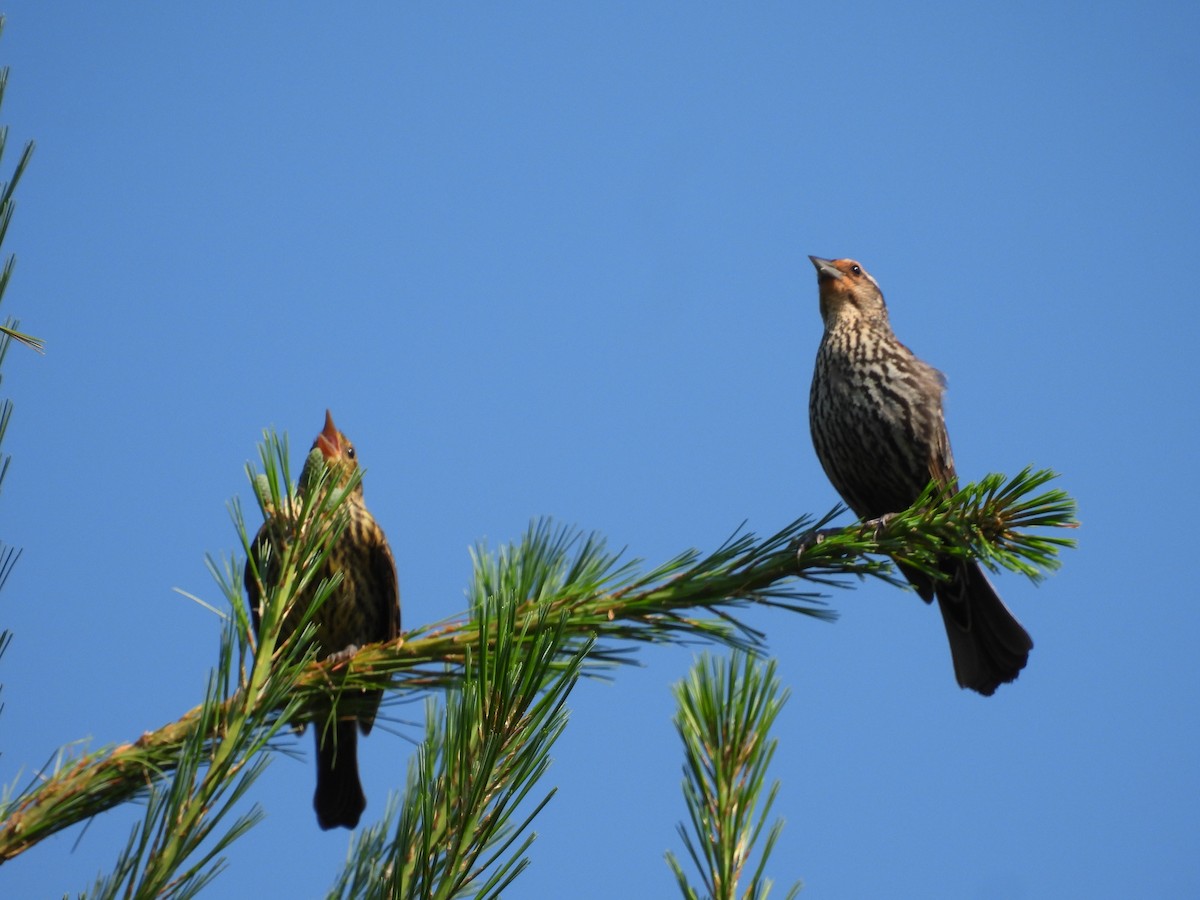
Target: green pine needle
(726,708)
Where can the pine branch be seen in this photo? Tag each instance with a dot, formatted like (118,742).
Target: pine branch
(603,604)
(725,712)
(618,608)
(455,834)
(163,857)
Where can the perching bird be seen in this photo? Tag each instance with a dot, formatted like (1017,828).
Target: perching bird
(875,411)
(364,609)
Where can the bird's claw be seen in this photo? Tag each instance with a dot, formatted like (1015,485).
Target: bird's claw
(806,542)
(877,526)
(343,655)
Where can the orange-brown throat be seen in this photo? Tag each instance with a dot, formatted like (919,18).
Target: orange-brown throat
(844,285)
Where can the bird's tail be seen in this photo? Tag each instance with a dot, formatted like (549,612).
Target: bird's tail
(339,799)
(987,643)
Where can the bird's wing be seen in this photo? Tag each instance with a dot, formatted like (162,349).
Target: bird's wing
(383,572)
(941,463)
(941,459)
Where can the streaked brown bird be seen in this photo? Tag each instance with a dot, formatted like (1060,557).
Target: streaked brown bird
(364,609)
(875,411)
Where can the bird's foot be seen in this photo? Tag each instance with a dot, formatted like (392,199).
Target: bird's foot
(806,542)
(346,653)
(876,527)
(810,539)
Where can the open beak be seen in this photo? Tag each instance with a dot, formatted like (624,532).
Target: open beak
(825,268)
(329,440)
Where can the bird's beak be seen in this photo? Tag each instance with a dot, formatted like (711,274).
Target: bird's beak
(329,440)
(825,268)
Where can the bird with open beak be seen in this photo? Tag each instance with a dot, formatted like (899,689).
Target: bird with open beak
(363,609)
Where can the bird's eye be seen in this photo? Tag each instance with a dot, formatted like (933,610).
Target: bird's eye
(855,270)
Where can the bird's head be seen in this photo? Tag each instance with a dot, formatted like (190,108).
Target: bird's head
(338,453)
(848,292)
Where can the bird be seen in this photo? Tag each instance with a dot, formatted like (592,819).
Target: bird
(879,431)
(364,608)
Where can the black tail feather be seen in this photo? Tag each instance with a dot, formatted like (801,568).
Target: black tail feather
(339,799)
(988,645)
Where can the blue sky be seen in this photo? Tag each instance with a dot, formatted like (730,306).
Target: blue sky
(550,259)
